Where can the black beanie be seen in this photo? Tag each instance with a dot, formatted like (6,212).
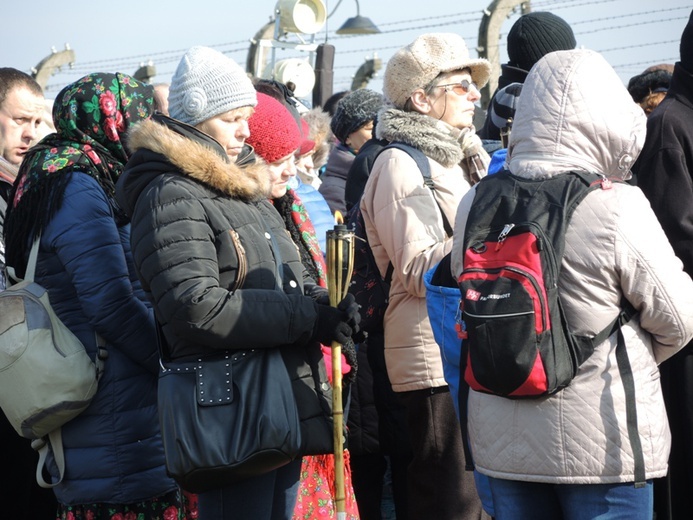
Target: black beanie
(536,34)
(686,47)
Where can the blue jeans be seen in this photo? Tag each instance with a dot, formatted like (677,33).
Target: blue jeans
(271,496)
(515,500)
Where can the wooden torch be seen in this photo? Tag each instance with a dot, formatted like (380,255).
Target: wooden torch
(340,264)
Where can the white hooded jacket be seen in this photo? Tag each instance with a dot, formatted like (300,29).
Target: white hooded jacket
(575,114)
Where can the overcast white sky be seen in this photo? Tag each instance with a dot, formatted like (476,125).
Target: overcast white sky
(120,36)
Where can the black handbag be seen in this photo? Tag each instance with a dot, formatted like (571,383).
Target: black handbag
(228,418)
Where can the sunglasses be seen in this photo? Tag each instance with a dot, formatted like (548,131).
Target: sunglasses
(461,88)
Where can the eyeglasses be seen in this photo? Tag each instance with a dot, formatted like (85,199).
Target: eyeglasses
(461,88)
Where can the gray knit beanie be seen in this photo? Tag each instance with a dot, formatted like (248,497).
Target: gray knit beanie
(419,63)
(206,84)
(355,110)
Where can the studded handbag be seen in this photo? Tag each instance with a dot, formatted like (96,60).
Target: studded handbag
(227,418)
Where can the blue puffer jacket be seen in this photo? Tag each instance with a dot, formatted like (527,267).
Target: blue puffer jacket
(113,450)
(319,212)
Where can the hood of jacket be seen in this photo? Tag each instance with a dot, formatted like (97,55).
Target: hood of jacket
(434,138)
(574,113)
(164,145)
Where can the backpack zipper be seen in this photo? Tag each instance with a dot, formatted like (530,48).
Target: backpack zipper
(524,274)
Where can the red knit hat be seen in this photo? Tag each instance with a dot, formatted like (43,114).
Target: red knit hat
(273,130)
(307,144)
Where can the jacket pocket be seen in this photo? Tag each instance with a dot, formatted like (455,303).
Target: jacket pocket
(242,260)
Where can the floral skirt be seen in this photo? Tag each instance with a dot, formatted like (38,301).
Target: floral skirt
(172,506)
(316,495)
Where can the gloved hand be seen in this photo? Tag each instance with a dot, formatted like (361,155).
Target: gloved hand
(337,324)
(349,305)
(331,325)
(349,351)
(319,294)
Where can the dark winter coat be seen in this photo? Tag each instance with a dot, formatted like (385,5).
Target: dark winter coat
(203,233)
(664,172)
(113,450)
(360,170)
(334,178)
(509,74)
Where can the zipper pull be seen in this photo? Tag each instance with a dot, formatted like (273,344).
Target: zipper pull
(460,325)
(606,183)
(503,235)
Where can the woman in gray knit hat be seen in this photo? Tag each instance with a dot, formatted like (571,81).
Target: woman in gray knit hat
(432,85)
(220,269)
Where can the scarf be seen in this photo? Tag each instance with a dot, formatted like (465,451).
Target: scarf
(297,222)
(475,157)
(91,116)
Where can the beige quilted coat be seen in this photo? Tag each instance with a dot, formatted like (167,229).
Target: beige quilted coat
(574,113)
(404,225)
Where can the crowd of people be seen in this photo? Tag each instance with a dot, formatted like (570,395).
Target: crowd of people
(180,221)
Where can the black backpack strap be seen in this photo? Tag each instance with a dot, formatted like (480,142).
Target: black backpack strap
(624,369)
(425,168)
(631,410)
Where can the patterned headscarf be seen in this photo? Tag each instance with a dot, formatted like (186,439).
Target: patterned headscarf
(91,116)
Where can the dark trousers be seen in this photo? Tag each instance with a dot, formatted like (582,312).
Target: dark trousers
(20,495)
(673,494)
(392,424)
(438,485)
(271,496)
(367,472)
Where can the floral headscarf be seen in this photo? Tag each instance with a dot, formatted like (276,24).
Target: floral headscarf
(91,116)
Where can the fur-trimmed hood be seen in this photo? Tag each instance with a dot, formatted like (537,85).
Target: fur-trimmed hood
(436,139)
(191,153)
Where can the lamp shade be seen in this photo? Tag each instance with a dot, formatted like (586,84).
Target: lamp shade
(358,25)
(302,16)
(294,70)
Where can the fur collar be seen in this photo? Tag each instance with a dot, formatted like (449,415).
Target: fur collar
(434,138)
(201,162)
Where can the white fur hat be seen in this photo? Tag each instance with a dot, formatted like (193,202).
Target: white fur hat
(420,62)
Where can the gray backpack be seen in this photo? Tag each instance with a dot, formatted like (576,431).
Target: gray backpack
(46,376)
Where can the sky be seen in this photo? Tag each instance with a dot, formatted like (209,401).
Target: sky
(123,36)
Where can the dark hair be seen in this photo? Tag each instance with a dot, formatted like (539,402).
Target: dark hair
(330,106)
(12,78)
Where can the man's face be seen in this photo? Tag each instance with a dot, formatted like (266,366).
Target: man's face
(20,117)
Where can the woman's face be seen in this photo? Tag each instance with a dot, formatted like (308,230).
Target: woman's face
(305,162)
(229,129)
(357,139)
(452,99)
(281,172)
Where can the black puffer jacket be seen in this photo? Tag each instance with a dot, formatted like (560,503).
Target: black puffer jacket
(202,234)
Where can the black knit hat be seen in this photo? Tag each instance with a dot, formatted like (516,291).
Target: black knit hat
(686,47)
(536,34)
(355,110)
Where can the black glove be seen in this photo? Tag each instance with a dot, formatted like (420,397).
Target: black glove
(331,325)
(349,351)
(351,308)
(354,310)
(319,294)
